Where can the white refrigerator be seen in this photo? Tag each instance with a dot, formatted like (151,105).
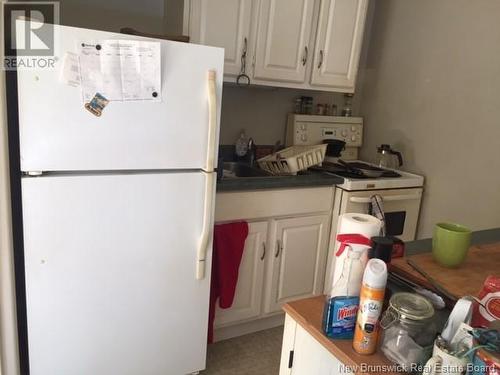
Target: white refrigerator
(117,228)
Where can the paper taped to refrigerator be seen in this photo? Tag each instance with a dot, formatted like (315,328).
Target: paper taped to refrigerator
(70,70)
(121,70)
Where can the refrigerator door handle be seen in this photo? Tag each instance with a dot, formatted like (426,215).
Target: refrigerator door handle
(206,228)
(212,120)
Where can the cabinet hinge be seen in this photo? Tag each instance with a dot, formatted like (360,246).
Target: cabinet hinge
(290,359)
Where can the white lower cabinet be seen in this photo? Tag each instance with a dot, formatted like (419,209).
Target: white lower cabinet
(248,296)
(284,256)
(296,268)
(302,355)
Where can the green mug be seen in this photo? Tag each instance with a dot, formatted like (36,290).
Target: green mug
(450,244)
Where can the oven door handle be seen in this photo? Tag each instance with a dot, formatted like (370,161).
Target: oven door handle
(390,198)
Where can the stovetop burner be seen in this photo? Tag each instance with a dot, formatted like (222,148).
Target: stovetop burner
(353,171)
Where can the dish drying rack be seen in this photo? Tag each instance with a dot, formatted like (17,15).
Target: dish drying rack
(293,159)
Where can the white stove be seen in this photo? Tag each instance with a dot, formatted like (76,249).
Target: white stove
(401,192)
(351,183)
(311,130)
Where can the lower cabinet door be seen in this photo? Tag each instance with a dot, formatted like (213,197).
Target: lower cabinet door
(310,357)
(296,266)
(248,295)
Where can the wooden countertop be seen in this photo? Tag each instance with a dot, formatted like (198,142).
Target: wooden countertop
(467,279)
(309,312)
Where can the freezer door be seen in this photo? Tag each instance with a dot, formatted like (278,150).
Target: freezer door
(111,274)
(58,134)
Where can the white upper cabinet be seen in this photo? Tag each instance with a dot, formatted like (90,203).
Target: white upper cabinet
(305,44)
(338,43)
(284,29)
(222,23)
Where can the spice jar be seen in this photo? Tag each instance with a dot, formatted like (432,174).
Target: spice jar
(408,330)
(320,109)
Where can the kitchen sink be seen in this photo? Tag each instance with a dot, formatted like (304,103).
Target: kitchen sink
(235,169)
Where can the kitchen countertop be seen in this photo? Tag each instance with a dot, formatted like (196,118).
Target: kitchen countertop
(308,313)
(308,179)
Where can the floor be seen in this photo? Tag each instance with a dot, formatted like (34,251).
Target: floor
(254,354)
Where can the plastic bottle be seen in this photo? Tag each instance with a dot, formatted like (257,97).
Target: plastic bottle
(242,144)
(370,307)
(341,305)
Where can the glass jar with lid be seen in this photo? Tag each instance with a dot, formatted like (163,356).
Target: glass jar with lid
(408,330)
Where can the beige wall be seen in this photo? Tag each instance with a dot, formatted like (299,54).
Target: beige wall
(431,88)
(262,111)
(111,15)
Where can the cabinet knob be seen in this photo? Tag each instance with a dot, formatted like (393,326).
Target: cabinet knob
(263,251)
(320,59)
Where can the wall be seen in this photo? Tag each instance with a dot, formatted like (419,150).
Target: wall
(431,89)
(111,15)
(262,111)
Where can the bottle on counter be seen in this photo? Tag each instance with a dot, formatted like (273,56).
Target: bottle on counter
(341,305)
(241,144)
(370,307)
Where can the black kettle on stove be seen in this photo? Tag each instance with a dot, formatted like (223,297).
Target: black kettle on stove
(388,158)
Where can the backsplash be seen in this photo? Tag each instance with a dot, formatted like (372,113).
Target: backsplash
(262,111)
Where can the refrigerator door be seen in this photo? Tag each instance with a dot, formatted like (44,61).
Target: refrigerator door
(111,273)
(58,134)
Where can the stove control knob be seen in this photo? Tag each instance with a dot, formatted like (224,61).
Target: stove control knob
(303,137)
(353,138)
(303,126)
(344,133)
(353,128)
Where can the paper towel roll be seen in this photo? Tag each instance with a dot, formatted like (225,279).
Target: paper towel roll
(352,223)
(367,225)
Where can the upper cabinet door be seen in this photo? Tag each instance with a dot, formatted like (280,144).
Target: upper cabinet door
(225,24)
(338,43)
(283,34)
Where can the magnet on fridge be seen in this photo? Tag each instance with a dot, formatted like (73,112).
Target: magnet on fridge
(97,104)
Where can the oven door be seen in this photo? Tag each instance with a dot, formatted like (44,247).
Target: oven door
(401,207)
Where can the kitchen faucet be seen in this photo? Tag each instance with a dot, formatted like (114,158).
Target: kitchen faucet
(251,152)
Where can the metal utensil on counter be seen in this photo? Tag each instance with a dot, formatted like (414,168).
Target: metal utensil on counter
(439,288)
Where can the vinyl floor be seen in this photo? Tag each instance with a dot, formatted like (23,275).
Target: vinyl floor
(254,354)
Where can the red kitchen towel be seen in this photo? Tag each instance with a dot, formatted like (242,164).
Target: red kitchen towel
(229,241)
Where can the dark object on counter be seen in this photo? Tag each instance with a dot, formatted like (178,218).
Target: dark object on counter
(335,147)
(381,248)
(439,288)
(398,247)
